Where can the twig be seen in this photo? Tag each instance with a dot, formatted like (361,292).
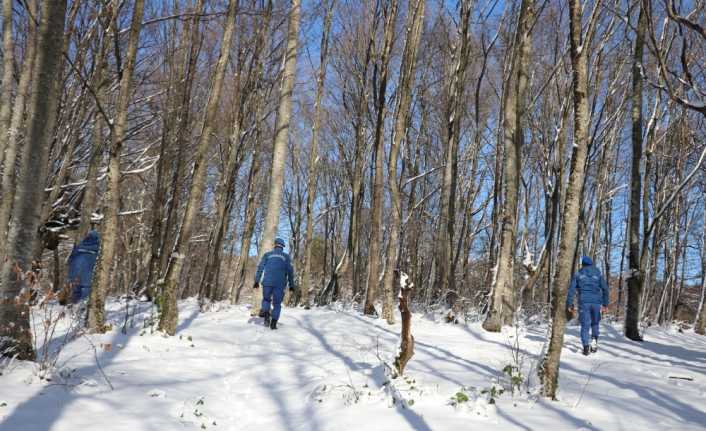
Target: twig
(98,364)
(583,390)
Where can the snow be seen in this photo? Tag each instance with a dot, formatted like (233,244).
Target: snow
(325,370)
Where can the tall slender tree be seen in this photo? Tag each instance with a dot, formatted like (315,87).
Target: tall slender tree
(503,299)
(279,151)
(580,51)
(306,284)
(106,259)
(15,336)
(169,314)
(390,15)
(408,67)
(636,277)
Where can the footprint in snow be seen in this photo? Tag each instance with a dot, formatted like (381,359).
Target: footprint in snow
(157,393)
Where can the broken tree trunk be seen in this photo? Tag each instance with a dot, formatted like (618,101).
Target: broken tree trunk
(407,342)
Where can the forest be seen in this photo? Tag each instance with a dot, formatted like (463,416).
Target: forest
(477,147)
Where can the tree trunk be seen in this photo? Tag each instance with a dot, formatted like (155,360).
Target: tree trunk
(249,221)
(279,152)
(176,124)
(14,317)
(169,315)
(415,19)
(444,283)
(307,285)
(700,324)
(503,300)
(636,277)
(378,176)
(407,340)
(106,259)
(13,135)
(549,371)
(8,58)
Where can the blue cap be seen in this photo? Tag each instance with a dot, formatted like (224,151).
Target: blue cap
(586,261)
(279,242)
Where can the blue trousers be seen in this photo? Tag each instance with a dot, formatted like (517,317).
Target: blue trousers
(272,295)
(80,293)
(590,317)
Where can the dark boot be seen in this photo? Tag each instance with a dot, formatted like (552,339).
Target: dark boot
(266,315)
(586,350)
(273,324)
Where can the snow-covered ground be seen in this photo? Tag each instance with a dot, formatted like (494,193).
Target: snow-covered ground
(323,370)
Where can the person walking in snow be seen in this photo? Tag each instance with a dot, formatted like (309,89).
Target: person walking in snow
(278,273)
(81,263)
(593,300)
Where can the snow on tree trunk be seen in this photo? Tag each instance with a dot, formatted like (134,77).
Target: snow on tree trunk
(14,312)
(407,340)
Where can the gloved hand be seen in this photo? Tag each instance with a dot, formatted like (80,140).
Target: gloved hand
(256,285)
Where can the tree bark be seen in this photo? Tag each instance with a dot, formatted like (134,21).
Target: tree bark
(279,152)
(636,278)
(13,135)
(8,58)
(503,301)
(14,312)
(106,259)
(700,324)
(176,121)
(415,20)
(444,283)
(307,285)
(407,340)
(169,315)
(379,175)
(549,370)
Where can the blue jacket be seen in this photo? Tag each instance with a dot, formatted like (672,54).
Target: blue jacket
(591,286)
(83,259)
(277,266)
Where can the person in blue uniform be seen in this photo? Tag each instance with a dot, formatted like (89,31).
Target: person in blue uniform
(82,261)
(593,299)
(275,272)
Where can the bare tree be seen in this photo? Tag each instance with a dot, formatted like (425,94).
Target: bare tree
(415,20)
(279,152)
(390,14)
(13,146)
(106,258)
(169,314)
(306,284)
(580,44)
(14,312)
(503,299)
